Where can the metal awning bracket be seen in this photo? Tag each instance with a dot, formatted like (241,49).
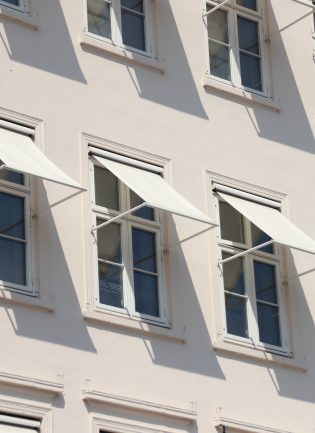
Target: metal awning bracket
(127,212)
(205,14)
(244,253)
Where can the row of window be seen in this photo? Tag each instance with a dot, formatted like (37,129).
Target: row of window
(128,258)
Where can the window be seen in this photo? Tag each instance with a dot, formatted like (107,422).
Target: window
(235,36)
(15,250)
(14,4)
(128,251)
(125,23)
(251,283)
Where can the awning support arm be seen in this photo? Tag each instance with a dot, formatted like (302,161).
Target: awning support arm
(105,223)
(271,35)
(244,253)
(45,209)
(205,14)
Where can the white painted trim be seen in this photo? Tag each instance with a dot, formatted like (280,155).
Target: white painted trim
(16,127)
(245,427)
(217,187)
(24,422)
(144,406)
(30,383)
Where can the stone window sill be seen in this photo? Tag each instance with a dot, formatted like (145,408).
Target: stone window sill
(253,353)
(240,95)
(20,17)
(89,42)
(135,326)
(43,302)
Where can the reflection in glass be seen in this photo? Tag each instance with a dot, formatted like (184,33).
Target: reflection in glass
(110,285)
(99,18)
(231,223)
(219,60)
(146,293)
(249,4)
(144,250)
(250,72)
(109,242)
(259,237)
(265,282)
(133,32)
(135,5)
(268,323)
(12,261)
(13,2)
(218,26)
(233,274)
(248,35)
(106,188)
(12,216)
(236,317)
(145,212)
(11,176)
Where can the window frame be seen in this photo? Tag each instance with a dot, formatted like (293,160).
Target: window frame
(127,223)
(20,8)
(276,260)
(233,11)
(24,191)
(116,27)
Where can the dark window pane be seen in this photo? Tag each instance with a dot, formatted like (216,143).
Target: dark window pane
(146,294)
(12,176)
(109,242)
(13,2)
(99,18)
(218,26)
(268,323)
(135,5)
(145,212)
(231,223)
(133,30)
(12,261)
(236,318)
(12,215)
(265,282)
(250,72)
(233,275)
(219,61)
(249,4)
(143,248)
(110,285)
(259,237)
(106,189)
(248,35)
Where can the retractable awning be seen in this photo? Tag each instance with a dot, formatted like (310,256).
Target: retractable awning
(273,223)
(153,189)
(19,153)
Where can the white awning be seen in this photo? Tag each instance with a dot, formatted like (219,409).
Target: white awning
(272,222)
(19,153)
(154,190)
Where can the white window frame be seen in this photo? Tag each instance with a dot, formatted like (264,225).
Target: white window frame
(23,191)
(233,10)
(251,306)
(116,27)
(127,223)
(21,7)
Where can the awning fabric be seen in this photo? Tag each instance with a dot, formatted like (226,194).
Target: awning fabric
(272,222)
(19,153)
(154,190)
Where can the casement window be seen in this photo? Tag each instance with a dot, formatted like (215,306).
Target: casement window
(14,424)
(15,231)
(235,44)
(128,251)
(124,23)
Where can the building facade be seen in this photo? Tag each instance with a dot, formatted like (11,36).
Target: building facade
(143,145)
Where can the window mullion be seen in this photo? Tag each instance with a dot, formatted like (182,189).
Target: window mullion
(129,298)
(116,22)
(251,304)
(234,52)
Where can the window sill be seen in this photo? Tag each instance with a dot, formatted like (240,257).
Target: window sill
(44,303)
(229,347)
(24,18)
(240,95)
(90,42)
(116,321)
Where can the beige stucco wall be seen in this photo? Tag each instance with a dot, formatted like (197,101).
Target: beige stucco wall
(46,74)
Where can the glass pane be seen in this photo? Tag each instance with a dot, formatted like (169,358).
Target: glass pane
(99,18)
(265,282)
(233,275)
(218,26)
(219,61)
(135,5)
(231,223)
(12,215)
(13,2)
(12,176)
(110,285)
(133,30)
(143,249)
(259,237)
(250,72)
(12,261)
(146,294)
(109,242)
(145,212)
(248,35)
(236,317)
(106,189)
(268,323)
(249,4)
